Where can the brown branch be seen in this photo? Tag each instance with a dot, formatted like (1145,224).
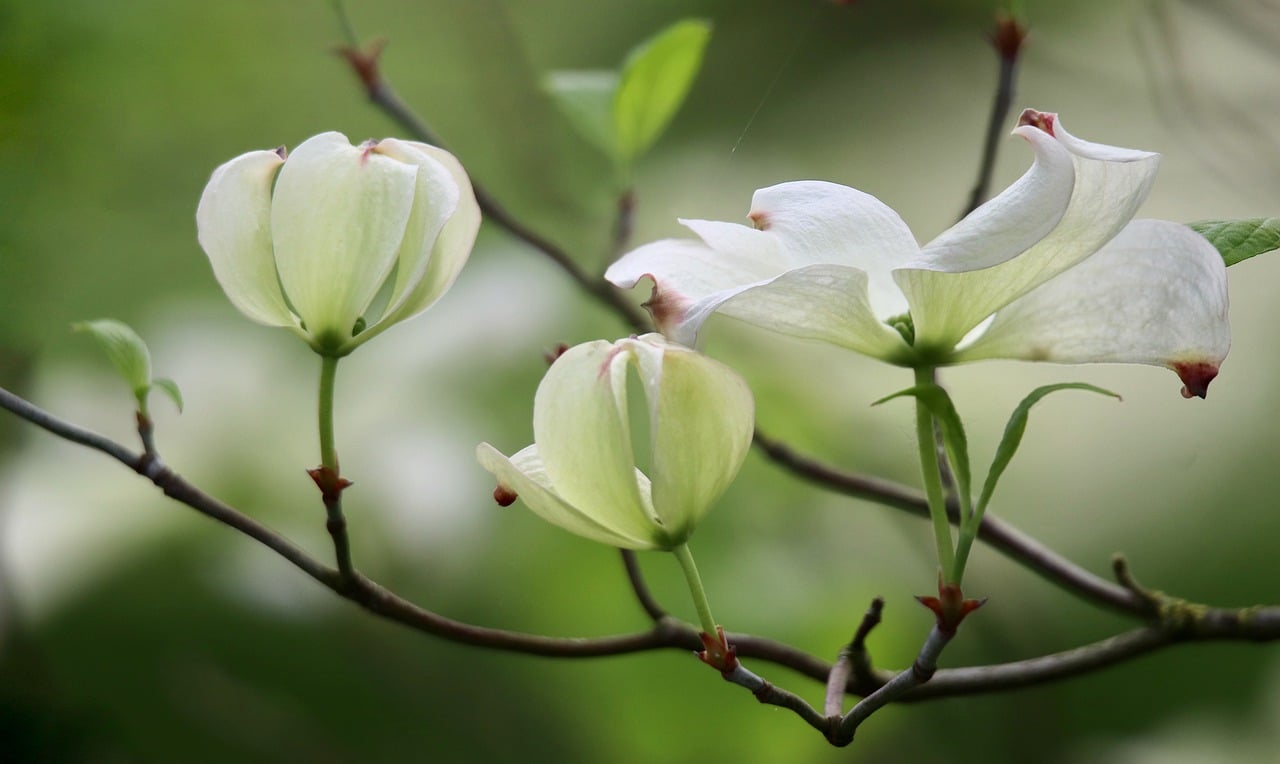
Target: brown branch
(1007,39)
(1178,621)
(853,660)
(365,65)
(920,672)
(640,588)
(1010,541)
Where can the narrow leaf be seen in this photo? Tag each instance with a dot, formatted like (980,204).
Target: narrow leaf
(656,77)
(170,388)
(127,351)
(953,437)
(1014,430)
(586,99)
(1239,240)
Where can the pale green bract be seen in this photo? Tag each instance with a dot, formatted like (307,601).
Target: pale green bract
(1054,268)
(580,473)
(338,242)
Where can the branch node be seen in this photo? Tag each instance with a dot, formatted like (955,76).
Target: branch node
(1154,600)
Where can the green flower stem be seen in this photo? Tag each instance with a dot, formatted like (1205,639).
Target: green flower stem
(327,477)
(932,475)
(328,452)
(964,543)
(699,594)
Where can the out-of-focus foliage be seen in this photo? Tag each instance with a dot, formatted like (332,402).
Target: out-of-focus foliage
(624,112)
(133,629)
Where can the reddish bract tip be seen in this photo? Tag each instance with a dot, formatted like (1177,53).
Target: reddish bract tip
(365,63)
(667,307)
(1008,36)
(554,353)
(1043,120)
(759,219)
(368,147)
(1195,378)
(282,152)
(504,496)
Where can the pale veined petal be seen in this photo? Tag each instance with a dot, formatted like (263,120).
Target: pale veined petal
(337,218)
(233,223)
(1110,184)
(819,222)
(524,474)
(1156,294)
(580,423)
(435,198)
(1005,226)
(453,244)
(702,415)
(824,302)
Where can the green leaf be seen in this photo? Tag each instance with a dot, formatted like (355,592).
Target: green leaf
(586,99)
(953,437)
(656,77)
(129,354)
(1239,240)
(1014,430)
(127,351)
(170,388)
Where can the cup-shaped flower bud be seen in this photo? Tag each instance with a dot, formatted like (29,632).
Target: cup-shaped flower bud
(338,242)
(581,471)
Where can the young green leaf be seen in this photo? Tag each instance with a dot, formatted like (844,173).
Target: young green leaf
(127,351)
(953,437)
(656,77)
(130,357)
(586,99)
(1239,240)
(170,388)
(1014,430)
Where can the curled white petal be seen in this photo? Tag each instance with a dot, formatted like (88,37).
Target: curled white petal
(583,434)
(233,223)
(1110,184)
(452,244)
(524,474)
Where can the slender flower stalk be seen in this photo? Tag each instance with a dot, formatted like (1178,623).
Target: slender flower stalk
(931,474)
(328,379)
(696,590)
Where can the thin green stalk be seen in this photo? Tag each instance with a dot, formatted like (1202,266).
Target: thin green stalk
(930,471)
(328,373)
(699,594)
(964,543)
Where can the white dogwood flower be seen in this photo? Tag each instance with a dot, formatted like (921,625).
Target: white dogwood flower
(338,242)
(581,472)
(1052,269)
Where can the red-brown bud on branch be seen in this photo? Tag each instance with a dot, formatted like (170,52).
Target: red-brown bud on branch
(1008,36)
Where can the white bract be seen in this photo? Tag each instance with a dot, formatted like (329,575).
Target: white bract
(1053,269)
(581,473)
(338,242)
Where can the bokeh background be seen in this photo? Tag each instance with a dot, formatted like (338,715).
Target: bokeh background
(132,629)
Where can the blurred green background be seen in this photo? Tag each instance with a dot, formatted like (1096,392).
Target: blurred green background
(132,629)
